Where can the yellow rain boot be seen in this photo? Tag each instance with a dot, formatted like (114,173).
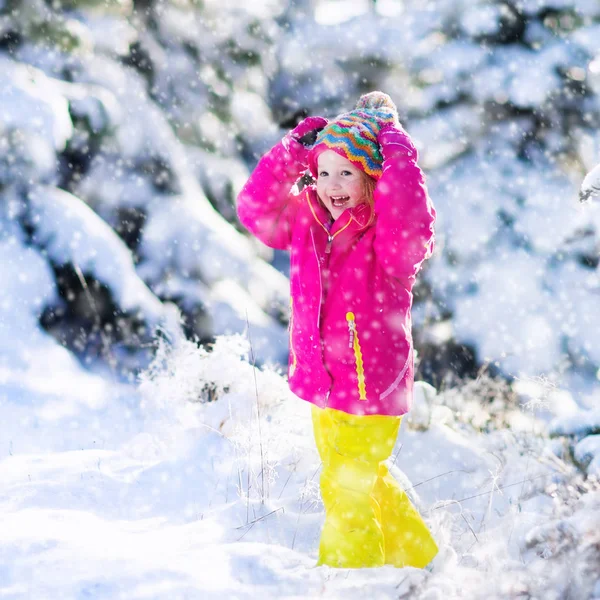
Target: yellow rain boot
(352,535)
(408,542)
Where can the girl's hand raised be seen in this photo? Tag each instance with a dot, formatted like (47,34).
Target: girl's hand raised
(307,130)
(394,141)
(298,141)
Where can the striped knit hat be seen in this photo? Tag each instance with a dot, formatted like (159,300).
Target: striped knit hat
(353,135)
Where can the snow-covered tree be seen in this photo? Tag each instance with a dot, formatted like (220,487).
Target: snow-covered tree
(590,186)
(110,135)
(504,105)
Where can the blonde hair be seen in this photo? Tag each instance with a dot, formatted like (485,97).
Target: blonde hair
(369,185)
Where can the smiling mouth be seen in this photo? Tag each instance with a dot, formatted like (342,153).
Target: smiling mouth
(339,201)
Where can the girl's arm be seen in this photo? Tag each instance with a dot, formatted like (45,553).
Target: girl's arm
(404,235)
(265,205)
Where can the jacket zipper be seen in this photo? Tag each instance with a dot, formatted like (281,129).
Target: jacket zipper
(354,344)
(329,242)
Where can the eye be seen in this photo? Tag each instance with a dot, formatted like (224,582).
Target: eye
(346,173)
(323,174)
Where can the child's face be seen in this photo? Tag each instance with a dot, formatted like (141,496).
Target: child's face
(340,184)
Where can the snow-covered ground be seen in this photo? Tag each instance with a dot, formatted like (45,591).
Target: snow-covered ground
(201,481)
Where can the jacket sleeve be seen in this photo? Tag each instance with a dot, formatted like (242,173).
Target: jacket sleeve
(266,205)
(404,235)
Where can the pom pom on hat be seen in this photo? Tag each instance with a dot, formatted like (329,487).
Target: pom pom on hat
(353,135)
(379,103)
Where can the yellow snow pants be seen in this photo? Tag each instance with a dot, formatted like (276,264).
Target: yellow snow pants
(369,519)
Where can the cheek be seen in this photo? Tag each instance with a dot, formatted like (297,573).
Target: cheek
(357,189)
(320,189)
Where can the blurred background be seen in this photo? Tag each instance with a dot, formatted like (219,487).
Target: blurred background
(127,127)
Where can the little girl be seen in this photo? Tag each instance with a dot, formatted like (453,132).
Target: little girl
(358,236)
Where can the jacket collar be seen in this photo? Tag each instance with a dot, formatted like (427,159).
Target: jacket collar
(352,220)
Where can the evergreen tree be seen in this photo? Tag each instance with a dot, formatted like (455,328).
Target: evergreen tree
(503,104)
(132,125)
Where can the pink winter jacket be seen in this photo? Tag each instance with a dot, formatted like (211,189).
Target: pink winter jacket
(350,324)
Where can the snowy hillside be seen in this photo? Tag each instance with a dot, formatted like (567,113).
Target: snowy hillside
(152,492)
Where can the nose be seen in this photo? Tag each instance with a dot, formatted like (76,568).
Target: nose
(334,182)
